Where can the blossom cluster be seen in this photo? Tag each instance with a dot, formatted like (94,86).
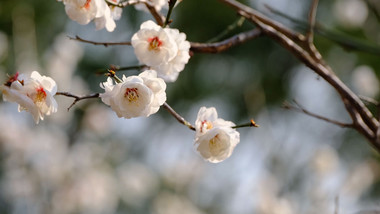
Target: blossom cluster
(163,50)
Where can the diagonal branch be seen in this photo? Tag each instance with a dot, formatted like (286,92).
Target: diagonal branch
(363,120)
(218,47)
(178,117)
(77,98)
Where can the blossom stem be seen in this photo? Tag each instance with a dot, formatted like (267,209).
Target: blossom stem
(178,117)
(171,6)
(252,123)
(117,79)
(118,68)
(111,73)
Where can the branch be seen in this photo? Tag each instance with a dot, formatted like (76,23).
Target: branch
(370,100)
(252,123)
(118,68)
(346,42)
(106,44)
(299,108)
(167,19)
(363,120)
(178,117)
(218,47)
(312,15)
(238,23)
(156,15)
(372,7)
(77,98)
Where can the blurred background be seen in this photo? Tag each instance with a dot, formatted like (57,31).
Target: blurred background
(87,160)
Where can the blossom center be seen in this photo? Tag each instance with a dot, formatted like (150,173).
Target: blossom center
(131,94)
(40,96)
(87,4)
(206,124)
(154,43)
(214,145)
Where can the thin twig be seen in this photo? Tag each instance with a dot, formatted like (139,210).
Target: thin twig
(312,17)
(167,19)
(299,108)
(118,68)
(345,41)
(238,23)
(178,117)
(369,100)
(218,47)
(252,123)
(77,98)
(105,44)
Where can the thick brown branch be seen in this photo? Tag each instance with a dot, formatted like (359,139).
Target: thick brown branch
(225,44)
(178,117)
(363,119)
(77,98)
(156,15)
(105,44)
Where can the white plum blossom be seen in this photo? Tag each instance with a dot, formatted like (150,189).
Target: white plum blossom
(215,138)
(163,49)
(84,11)
(170,70)
(153,45)
(33,94)
(135,96)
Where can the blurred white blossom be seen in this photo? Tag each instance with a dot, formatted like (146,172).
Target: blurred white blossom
(136,183)
(169,203)
(351,13)
(365,81)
